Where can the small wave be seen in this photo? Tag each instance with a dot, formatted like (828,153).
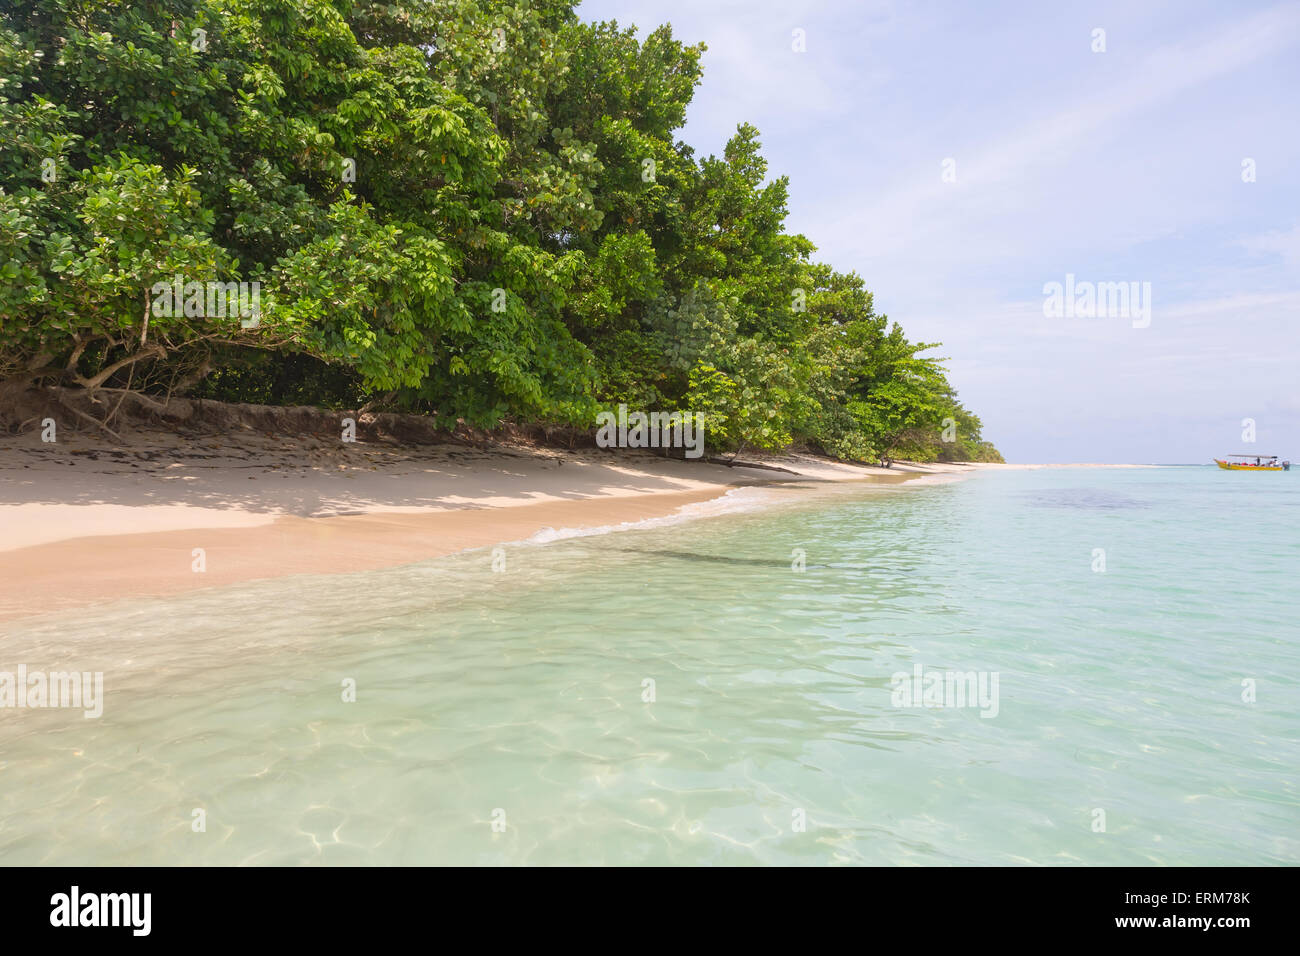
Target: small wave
(733,501)
(939,478)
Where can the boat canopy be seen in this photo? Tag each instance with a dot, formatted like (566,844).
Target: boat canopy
(1250,456)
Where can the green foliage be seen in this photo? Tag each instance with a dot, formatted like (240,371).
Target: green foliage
(478,209)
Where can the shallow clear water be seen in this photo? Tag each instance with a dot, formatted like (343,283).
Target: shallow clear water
(522,692)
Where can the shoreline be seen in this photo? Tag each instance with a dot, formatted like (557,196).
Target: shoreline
(86,522)
(84,571)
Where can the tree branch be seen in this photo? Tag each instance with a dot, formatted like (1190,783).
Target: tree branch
(95,381)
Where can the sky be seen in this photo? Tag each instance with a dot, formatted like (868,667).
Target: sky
(1117,166)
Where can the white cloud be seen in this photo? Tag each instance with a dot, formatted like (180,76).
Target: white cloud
(1283,243)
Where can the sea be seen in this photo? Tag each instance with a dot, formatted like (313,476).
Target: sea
(1049,666)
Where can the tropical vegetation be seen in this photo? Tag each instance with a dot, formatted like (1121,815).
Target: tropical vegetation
(481,211)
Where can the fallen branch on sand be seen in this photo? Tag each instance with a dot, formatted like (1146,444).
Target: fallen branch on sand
(737,463)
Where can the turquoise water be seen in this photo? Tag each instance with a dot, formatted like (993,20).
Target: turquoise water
(519,698)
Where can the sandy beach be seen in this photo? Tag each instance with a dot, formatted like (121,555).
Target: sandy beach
(87,520)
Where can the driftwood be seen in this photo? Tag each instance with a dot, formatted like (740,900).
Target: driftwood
(739,463)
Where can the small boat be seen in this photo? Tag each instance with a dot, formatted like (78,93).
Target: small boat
(1253,463)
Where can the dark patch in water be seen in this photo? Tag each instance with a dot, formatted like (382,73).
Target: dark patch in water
(1086,499)
(719,558)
